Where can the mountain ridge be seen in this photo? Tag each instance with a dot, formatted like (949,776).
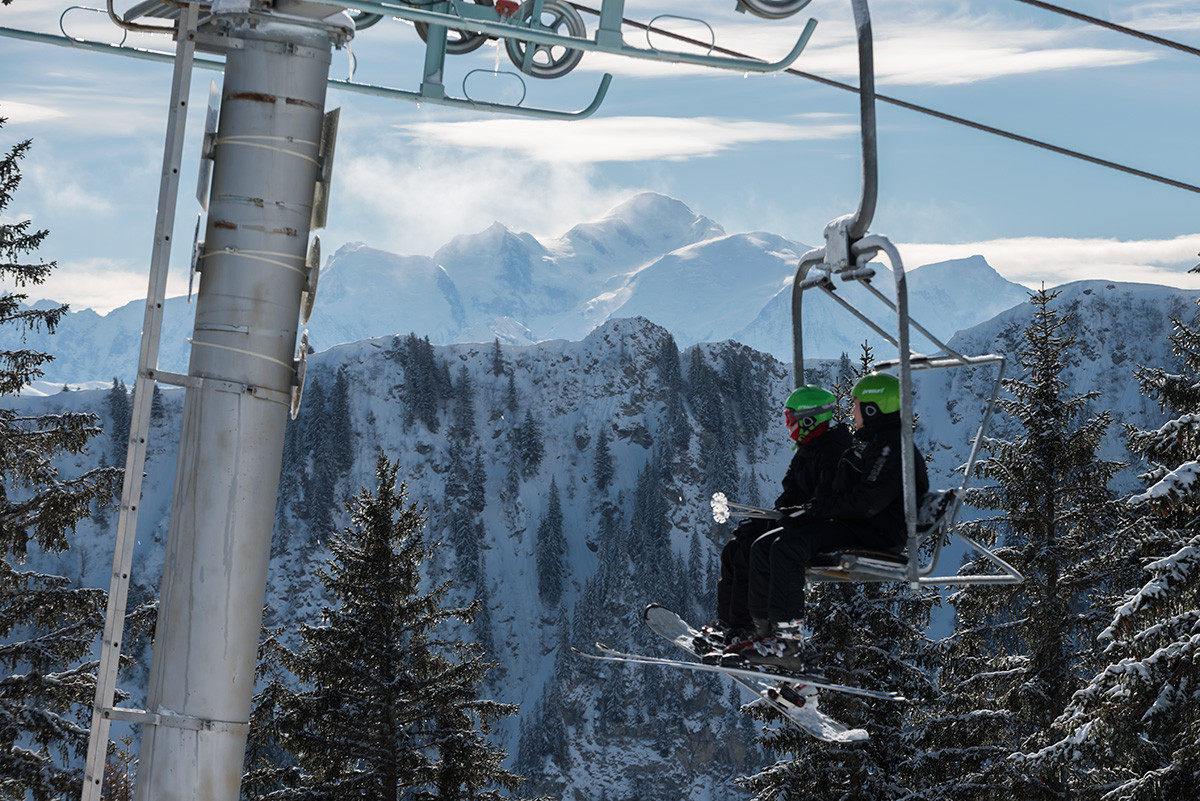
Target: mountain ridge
(650,256)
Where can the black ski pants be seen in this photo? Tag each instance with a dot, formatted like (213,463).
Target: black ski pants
(733,587)
(778,560)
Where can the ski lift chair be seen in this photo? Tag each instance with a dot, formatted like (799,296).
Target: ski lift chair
(930,520)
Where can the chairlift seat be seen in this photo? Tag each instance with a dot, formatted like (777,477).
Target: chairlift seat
(861,564)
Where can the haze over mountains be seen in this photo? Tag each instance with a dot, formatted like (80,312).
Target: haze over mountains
(651,256)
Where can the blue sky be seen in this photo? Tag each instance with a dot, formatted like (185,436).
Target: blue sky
(754,152)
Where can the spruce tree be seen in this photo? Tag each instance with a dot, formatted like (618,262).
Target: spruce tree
(462,429)
(387,708)
(602,468)
(1132,732)
(340,448)
(551,550)
(1018,651)
(48,627)
(120,414)
(530,444)
(497,358)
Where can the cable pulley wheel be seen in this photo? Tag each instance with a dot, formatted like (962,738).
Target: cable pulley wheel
(772,9)
(548,61)
(458,42)
(362,19)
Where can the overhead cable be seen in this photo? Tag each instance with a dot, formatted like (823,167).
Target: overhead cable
(1112,26)
(941,115)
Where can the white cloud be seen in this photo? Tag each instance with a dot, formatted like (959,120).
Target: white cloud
(100,284)
(418,201)
(30,112)
(612,139)
(915,44)
(1034,260)
(58,189)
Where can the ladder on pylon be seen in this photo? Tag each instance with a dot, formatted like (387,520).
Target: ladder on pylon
(104,711)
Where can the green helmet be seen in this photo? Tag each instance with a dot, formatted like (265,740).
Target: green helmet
(878,393)
(808,407)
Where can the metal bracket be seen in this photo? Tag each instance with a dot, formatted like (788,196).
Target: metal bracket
(144,718)
(217,385)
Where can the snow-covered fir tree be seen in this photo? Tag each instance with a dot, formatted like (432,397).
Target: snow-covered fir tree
(386,706)
(1018,652)
(530,444)
(47,626)
(1132,733)
(551,550)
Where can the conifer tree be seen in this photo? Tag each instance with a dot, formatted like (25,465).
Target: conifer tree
(1018,651)
(1130,732)
(530,444)
(387,708)
(602,470)
(340,448)
(670,373)
(157,410)
(551,550)
(48,626)
(120,413)
(497,358)
(511,400)
(462,429)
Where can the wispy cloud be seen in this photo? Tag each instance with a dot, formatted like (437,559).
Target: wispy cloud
(1034,260)
(417,201)
(100,284)
(621,138)
(915,44)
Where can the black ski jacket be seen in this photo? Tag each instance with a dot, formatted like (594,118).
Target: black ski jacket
(813,467)
(869,484)
(811,473)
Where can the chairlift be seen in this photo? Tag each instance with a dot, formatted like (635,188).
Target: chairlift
(848,249)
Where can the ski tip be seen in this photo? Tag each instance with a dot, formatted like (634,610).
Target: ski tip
(646,610)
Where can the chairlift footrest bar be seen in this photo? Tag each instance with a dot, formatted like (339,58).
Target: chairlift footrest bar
(860,565)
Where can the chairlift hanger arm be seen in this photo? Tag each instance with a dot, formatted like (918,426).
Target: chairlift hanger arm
(361,88)
(601,43)
(525,111)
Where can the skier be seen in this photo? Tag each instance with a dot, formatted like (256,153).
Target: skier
(808,413)
(864,508)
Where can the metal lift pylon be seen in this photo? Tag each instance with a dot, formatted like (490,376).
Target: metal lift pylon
(268,191)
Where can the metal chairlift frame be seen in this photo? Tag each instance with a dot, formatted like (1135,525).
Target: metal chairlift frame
(847,251)
(439,16)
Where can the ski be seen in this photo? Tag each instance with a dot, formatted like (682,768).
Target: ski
(796,703)
(744,672)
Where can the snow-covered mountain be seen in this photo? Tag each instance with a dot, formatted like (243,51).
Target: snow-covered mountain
(651,256)
(647,536)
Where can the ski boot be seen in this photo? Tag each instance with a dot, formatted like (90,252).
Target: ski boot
(716,637)
(785,646)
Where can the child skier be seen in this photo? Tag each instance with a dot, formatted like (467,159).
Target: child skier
(864,508)
(808,413)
